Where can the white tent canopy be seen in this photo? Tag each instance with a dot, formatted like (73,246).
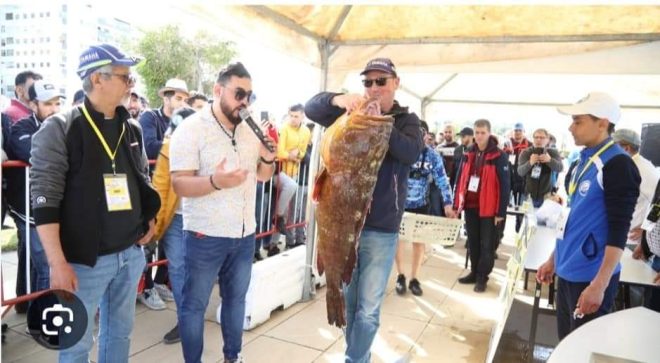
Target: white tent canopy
(443,51)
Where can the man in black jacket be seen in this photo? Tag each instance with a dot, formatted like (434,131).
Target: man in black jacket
(93,204)
(44,100)
(377,244)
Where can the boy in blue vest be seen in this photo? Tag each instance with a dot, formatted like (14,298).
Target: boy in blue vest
(592,232)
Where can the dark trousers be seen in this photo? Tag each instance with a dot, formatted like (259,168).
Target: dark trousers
(518,199)
(568,294)
(482,237)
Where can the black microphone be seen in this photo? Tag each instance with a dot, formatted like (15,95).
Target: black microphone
(245,116)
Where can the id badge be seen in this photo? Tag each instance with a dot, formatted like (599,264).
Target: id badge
(116,192)
(561,222)
(473,186)
(536,171)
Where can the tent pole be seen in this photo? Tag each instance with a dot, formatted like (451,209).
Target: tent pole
(309,284)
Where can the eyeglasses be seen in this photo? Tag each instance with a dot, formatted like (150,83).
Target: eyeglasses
(128,78)
(380,82)
(240,94)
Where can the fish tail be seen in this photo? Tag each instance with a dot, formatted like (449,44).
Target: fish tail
(336,307)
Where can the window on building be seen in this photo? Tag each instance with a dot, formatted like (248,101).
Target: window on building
(2,28)
(24,16)
(9,16)
(10,40)
(41,64)
(48,14)
(32,15)
(41,15)
(24,65)
(33,65)
(48,64)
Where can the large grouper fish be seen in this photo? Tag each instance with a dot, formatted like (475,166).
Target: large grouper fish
(352,150)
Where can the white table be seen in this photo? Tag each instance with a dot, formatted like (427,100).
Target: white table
(631,334)
(634,273)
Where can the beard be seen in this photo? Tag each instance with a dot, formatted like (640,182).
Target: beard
(229,113)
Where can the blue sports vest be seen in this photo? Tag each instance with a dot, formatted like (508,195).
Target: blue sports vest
(579,255)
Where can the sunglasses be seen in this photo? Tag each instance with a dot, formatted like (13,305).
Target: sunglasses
(128,78)
(380,82)
(241,94)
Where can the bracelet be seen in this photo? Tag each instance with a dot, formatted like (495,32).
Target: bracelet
(266,161)
(213,184)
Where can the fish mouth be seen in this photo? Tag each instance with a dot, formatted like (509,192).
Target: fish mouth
(371,107)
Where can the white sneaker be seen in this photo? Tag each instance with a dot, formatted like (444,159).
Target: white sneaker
(164,292)
(239,359)
(151,299)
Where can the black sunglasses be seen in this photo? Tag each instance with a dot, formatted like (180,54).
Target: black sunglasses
(240,94)
(380,82)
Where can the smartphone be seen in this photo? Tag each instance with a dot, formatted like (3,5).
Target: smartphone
(264,116)
(539,150)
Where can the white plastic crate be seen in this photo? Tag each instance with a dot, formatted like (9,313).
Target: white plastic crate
(429,229)
(276,282)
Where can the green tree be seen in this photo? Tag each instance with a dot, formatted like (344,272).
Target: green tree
(169,55)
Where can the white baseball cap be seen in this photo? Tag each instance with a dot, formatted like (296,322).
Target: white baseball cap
(176,85)
(598,104)
(43,91)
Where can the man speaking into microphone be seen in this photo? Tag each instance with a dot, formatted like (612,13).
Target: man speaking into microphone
(216,160)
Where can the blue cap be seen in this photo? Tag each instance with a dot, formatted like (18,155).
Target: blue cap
(101,55)
(518,126)
(381,65)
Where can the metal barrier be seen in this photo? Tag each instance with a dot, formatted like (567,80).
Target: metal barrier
(295,214)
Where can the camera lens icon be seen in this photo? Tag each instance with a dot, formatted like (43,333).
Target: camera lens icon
(56,316)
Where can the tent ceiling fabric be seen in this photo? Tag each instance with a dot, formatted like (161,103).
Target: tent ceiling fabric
(403,22)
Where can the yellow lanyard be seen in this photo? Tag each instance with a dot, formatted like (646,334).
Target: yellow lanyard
(574,181)
(111,155)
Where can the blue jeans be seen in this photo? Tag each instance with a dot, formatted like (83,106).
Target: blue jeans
(364,294)
(39,263)
(263,222)
(175,251)
(208,258)
(39,270)
(112,284)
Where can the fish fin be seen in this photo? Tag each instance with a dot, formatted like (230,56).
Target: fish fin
(318,184)
(319,264)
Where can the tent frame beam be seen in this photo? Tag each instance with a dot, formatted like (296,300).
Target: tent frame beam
(645,37)
(520,103)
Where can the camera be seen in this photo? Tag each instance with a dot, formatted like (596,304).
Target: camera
(55,316)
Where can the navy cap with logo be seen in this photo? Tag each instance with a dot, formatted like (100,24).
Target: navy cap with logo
(466,131)
(101,55)
(381,65)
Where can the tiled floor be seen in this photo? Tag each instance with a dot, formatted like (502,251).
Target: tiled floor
(449,323)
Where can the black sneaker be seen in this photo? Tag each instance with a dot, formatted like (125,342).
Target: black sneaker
(415,288)
(273,250)
(401,284)
(172,336)
(470,278)
(257,256)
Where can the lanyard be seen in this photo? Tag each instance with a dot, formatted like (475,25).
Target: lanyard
(574,181)
(111,155)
